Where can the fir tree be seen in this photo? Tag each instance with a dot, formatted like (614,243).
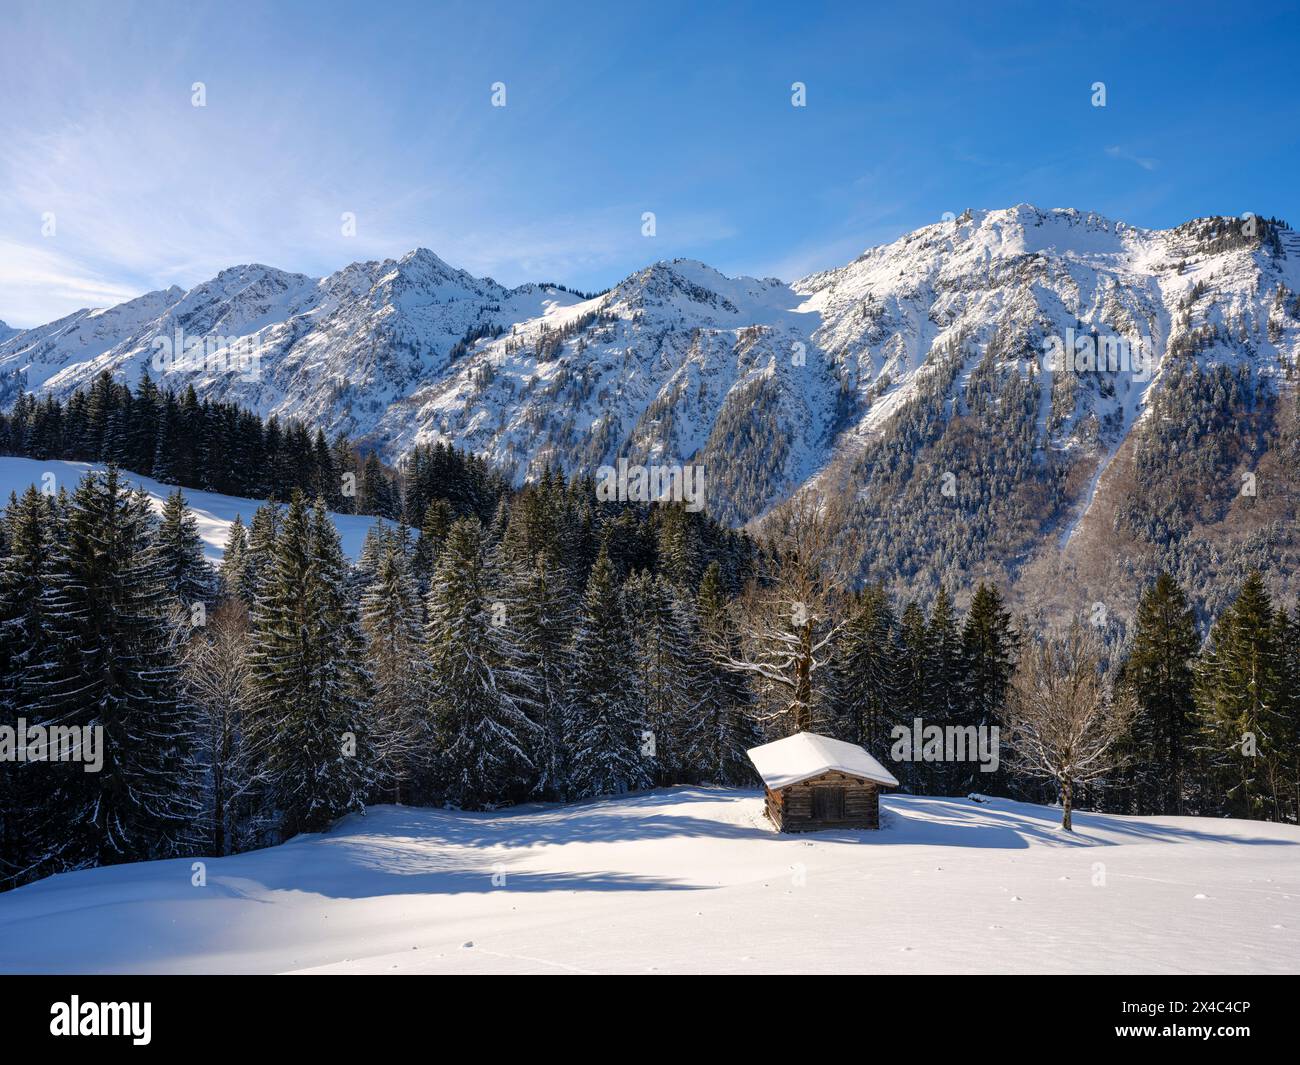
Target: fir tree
(868,666)
(680,555)
(257,561)
(30,842)
(391,622)
(946,684)
(116,672)
(1242,700)
(542,617)
(722,727)
(309,689)
(484,735)
(437,522)
(989,646)
(1160,673)
(663,650)
(233,575)
(186,573)
(916,694)
(607,730)
(1284,767)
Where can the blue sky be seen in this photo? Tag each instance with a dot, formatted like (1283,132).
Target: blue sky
(384,110)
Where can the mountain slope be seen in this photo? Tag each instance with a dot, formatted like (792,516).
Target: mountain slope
(913,379)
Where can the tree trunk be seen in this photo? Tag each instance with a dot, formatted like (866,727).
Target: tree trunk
(803,681)
(1067,805)
(218,815)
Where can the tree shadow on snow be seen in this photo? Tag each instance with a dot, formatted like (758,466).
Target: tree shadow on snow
(638,816)
(1005,824)
(378,872)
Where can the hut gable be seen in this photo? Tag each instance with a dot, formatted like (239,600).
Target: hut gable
(814,782)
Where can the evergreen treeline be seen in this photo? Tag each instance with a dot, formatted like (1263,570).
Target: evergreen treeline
(552,651)
(1216,723)
(179,439)
(552,648)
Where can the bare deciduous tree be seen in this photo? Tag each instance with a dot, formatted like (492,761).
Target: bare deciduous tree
(214,664)
(789,615)
(1062,721)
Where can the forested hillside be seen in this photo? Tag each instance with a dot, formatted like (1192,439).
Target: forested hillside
(534,643)
(912,380)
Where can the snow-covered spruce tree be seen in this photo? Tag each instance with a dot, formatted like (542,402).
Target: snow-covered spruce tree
(663,644)
(484,735)
(681,555)
(306,726)
(30,842)
(1160,672)
(579,530)
(721,726)
(534,524)
(1284,766)
(367,564)
(256,559)
(1243,704)
(916,694)
(109,609)
(376,493)
(185,572)
(541,617)
(233,573)
(605,736)
(947,686)
(434,527)
(990,645)
(867,664)
(403,739)
(146,411)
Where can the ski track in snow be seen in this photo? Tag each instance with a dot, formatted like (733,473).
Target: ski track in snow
(690,880)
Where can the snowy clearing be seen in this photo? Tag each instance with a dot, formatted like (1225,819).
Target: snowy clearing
(215,513)
(691,880)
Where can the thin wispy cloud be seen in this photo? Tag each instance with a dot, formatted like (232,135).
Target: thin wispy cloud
(1116,152)
(40,285)
(386,115)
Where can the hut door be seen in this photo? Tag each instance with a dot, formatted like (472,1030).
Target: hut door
(828,804)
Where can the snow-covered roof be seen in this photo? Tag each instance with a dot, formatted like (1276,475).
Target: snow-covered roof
(806,755)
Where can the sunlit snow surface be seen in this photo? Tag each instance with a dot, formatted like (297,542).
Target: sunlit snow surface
(213,512)
(691,880)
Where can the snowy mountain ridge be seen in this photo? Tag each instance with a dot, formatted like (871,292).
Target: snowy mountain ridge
(768,385)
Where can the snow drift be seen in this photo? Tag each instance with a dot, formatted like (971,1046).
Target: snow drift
(690,880)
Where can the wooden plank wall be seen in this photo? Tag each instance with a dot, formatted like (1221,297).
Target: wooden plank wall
(791,809)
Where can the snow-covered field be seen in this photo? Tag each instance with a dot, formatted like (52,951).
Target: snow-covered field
(691,880)
(214,512)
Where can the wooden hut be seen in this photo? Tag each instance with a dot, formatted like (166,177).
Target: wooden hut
(815,782)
